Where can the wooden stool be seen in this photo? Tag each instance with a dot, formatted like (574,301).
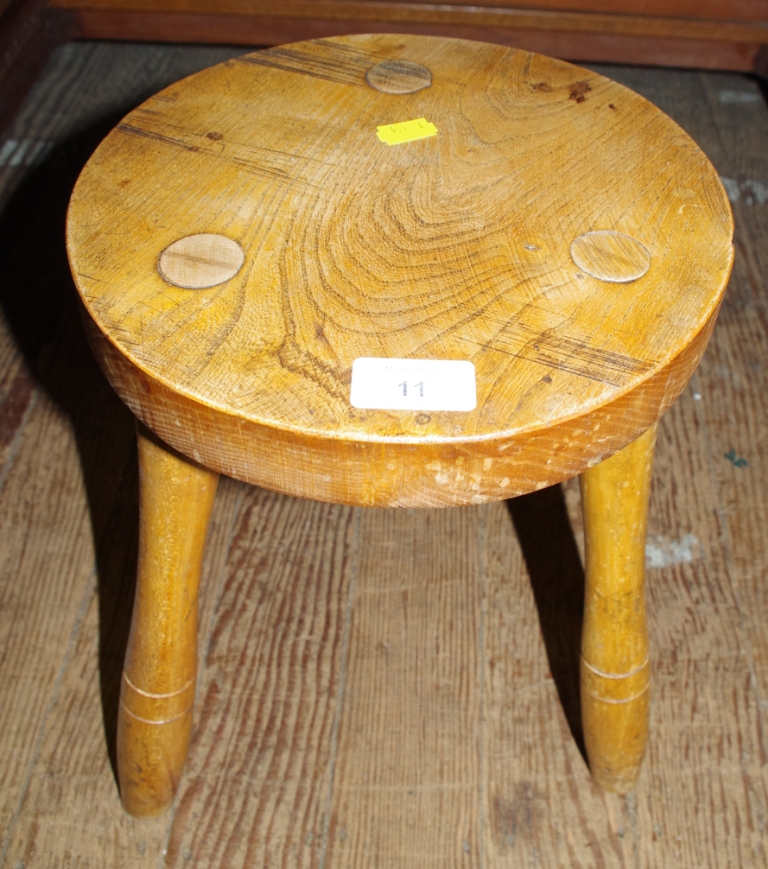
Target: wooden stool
(394,271)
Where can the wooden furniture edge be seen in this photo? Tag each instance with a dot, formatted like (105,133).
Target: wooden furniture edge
(664,48)
(433,474)
(724,10)
(500,15)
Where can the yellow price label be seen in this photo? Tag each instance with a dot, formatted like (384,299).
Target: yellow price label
(406,131)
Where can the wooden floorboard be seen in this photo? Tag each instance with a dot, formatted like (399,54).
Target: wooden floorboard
(271,690)
(415,604)
(540,807)
(378,688)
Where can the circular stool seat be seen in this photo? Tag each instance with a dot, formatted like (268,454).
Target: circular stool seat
(395,271)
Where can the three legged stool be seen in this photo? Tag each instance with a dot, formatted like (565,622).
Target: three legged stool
(394,271)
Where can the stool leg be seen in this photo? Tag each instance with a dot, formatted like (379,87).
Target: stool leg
(158,685)
(615,671)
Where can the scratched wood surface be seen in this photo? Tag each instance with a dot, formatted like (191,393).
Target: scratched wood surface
(464,245)
(377,688)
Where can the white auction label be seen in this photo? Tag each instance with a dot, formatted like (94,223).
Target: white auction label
(413,384)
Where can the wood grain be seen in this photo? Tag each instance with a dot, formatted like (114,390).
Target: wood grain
(750,10)
(350,281)
(66,485)
(700,653)
(76,767)
(271,694)
(581,45)
(615,665)
(398,77)
(343,263)
(409,696)
(455,14)
(701,796)
(198,262)
(38,545)
(611,256)
(539,805)
(157,689)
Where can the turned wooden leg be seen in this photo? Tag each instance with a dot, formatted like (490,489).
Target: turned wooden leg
(158,686)
(615,671)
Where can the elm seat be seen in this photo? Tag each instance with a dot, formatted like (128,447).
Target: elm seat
(394,271)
